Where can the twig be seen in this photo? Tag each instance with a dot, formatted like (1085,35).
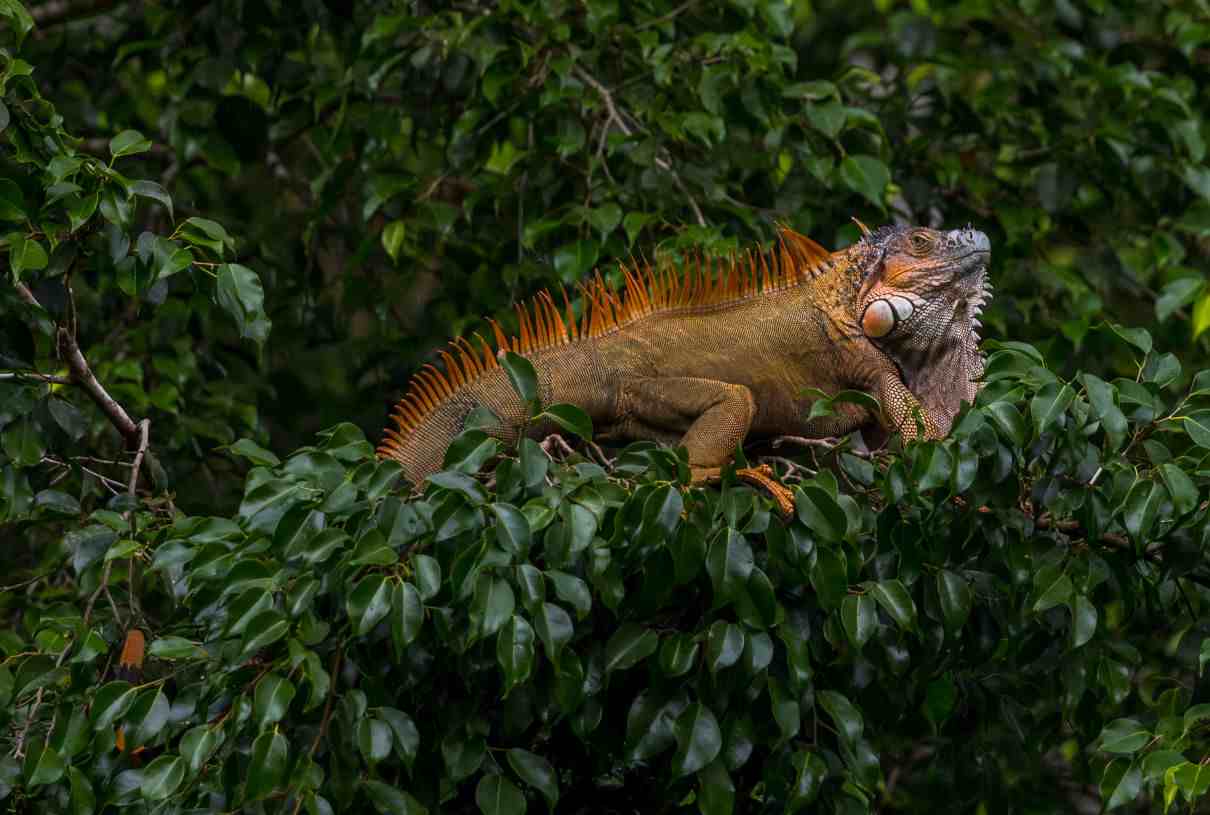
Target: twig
(64,11)
(327,717)
(663,162)
(554,440)
(683,7)
(144,432)
(804,441)
(794,470)
(82,375)
(48,378)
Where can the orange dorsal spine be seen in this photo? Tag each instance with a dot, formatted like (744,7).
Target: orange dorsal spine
(697,283)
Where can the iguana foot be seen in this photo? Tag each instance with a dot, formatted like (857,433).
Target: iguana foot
(762,476)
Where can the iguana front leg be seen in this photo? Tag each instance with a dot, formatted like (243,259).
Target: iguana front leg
(901,408)
(712,416)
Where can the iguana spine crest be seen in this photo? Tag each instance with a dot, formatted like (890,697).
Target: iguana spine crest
(648,289)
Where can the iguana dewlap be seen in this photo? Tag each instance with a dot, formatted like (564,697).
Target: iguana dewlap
(706,353)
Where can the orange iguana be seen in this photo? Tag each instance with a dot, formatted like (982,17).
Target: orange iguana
(706,353)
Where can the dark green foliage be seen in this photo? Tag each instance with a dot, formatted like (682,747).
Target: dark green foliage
(256,219)
(1024,605)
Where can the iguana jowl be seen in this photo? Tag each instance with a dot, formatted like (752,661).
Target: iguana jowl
(707,352)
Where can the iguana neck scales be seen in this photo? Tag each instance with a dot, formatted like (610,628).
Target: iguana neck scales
(706,353)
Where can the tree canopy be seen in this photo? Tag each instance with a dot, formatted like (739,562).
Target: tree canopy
(230,230)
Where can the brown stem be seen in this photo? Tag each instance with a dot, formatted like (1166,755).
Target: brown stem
(663,162)
(82,375)
(64,11)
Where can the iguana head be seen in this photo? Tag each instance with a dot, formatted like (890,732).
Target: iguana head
(920,296)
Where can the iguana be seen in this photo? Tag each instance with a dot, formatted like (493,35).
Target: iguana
(705,353)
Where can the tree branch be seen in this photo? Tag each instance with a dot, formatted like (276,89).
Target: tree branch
(82,375)
(663,162)
(64,11)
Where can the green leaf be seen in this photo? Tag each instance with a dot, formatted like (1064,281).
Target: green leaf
(605,218)
(1052,587)
(858,617)
(1201,315)
(404,733)
(1180,487)
(391,801)
(83,799)
(239,293)
(373,740)
(111,703)
(574,260)
(630,645)
(246,448)
(1177,294)
(843,713)
(512,529)
(128,143)
(678,652)
(267,769)
(1140,338)
(955,596)
(43,765)
(22,443)
(493,604)
(368,603)
(522,376)
(939,699)
(515,651)
(1124,736)
(392,238)
(198,745)
(1050,404)
(162,777)
(263,630)
(1142,508)
(829,578)
(272,699)
(1198,428)
(1101,394)
(810,771)
(866,176)
(1120,783)
(729,563)
(496,795)
(1083,621)
(554,628)
(570,418)
(820,512)
(698,739)
(896,601)
(25,254)
(12,201)
(537,772)
(407,615)
(1010,422)
(724,645)
(152,190)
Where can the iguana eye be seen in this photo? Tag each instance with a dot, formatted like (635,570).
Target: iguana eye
(920,243)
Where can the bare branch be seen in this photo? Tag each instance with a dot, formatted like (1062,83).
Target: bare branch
(53,380)
(663,161)
(64,11)
(144,432)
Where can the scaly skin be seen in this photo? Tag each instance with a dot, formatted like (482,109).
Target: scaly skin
(894,315)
